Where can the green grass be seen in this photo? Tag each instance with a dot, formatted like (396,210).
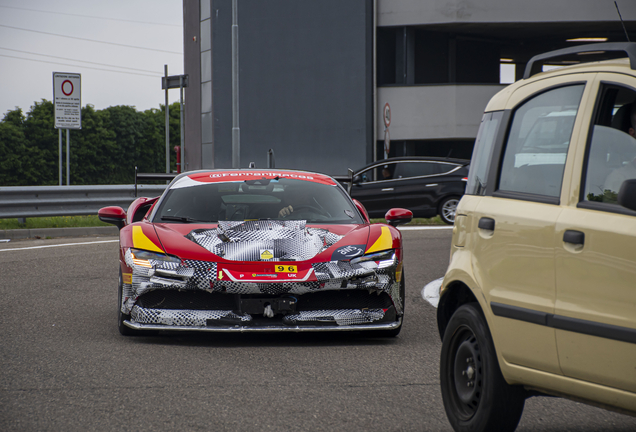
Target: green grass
(417,221)
(52,222)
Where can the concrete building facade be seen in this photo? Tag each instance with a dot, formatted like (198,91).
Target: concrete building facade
(315,76)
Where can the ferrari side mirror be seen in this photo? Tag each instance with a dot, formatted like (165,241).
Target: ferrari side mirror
(398,216)
(113,215)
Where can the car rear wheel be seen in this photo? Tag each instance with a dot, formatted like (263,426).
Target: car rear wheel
(475,394)
(447,209)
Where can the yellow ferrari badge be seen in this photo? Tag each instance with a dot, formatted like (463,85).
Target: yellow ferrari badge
(267,254)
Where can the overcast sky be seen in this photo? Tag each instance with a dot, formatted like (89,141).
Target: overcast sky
(133,39)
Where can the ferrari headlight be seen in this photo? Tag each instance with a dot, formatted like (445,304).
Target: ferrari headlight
(387,255)
(144,258)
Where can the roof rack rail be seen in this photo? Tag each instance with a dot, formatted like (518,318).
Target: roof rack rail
(534,65)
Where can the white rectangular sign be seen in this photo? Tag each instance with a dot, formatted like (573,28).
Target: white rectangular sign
(67,97)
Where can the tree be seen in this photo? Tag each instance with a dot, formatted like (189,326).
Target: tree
(13,149)
(152,151)
(106,150)
(42,138)
(90,159)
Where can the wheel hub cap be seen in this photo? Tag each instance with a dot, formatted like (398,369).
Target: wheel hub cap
(467,372)
(449,209)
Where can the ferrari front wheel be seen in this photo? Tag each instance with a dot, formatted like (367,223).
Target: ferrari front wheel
(475,394)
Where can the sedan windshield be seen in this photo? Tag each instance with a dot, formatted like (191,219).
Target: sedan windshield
(279,199)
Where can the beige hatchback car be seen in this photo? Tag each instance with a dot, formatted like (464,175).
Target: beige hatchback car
(540,294)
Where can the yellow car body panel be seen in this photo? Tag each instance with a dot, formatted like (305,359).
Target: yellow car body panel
(525,264)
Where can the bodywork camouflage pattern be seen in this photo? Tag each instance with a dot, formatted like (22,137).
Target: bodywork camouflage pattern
(183,273)
(243,241)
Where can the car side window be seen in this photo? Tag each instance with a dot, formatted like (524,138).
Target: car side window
(365,176)
(416,169)
(445,168)
(538,142)
(611,157)
(482,155)
(379,173)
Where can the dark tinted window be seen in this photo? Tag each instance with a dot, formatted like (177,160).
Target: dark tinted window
(256,199)
(380,172)
(416,169)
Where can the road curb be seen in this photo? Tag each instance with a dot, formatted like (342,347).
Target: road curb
(15,234)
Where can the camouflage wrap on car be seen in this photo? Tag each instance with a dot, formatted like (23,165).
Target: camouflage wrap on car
(202,275)
(243,240)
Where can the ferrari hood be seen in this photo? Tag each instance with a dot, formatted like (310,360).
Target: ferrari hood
(264,240)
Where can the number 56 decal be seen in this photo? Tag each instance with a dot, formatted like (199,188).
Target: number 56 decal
(286,269)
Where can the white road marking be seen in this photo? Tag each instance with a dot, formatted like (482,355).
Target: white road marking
(405,228)
(59,245)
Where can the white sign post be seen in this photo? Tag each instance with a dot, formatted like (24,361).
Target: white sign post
(67,99)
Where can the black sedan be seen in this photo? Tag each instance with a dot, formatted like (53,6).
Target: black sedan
(425,185)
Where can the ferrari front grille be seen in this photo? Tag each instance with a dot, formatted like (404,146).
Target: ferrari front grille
(202,300)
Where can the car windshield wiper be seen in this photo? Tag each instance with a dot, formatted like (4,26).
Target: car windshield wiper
(181,219)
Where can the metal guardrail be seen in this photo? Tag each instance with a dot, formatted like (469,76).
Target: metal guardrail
(39,201)
(46,201)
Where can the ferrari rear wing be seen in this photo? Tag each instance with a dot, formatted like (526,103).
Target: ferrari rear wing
(345,181)
(139,177)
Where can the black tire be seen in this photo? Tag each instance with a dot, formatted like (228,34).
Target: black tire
(447,209)
(396,331)
(478,399)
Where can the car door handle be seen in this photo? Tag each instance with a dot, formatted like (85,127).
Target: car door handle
(486,223)
(387,189)
(574,237)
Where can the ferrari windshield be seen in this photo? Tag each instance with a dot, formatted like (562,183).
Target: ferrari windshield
(277,198)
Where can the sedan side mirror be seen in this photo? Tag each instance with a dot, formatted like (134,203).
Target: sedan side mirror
(398,216)
(627,194)
(113,215)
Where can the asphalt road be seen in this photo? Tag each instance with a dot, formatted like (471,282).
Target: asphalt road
(64,365)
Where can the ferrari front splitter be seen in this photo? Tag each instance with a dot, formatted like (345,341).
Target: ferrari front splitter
(265,329)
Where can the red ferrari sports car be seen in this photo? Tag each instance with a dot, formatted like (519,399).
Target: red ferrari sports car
(257,250)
